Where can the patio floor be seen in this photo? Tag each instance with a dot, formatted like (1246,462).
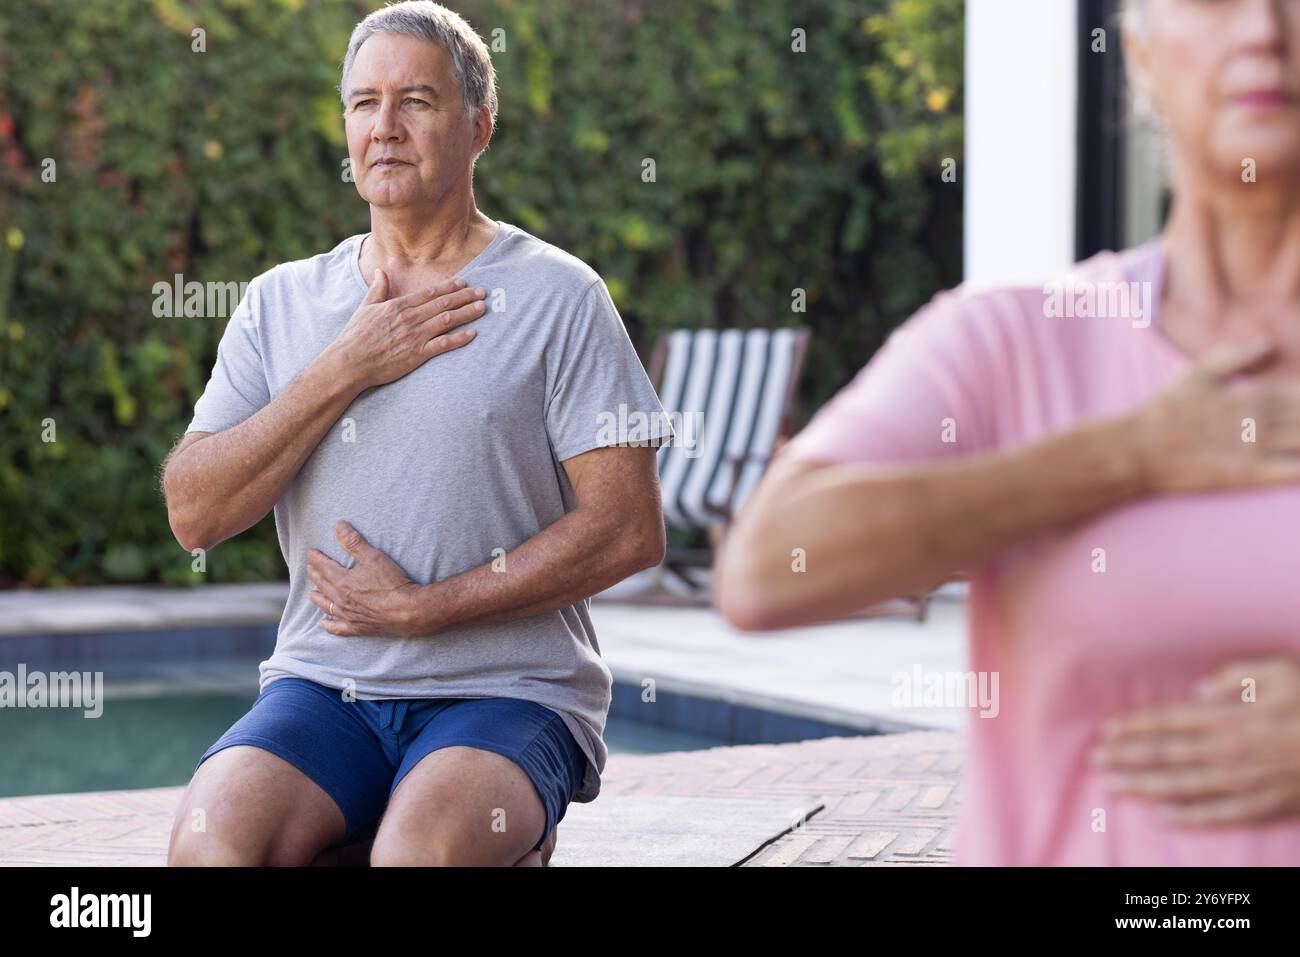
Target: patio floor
(879,799)
(847,802)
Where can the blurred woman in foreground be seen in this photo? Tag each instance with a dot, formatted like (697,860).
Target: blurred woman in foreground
(1123,482)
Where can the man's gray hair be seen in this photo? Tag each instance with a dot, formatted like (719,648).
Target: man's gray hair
(433,22)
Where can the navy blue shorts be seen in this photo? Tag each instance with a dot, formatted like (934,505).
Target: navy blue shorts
(359,751)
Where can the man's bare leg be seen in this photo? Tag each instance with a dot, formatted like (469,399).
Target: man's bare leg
(542,856)
(358,855)
(461,806)
(248,807)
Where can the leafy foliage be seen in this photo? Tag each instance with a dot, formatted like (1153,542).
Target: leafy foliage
(775,170)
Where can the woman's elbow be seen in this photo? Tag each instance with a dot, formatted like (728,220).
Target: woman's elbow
(744,612)
(744,600)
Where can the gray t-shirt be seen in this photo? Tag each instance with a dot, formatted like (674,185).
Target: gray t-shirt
(446,469)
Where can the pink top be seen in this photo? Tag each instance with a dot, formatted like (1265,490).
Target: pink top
(1190,582)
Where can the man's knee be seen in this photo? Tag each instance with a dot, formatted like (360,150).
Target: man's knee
(437,848)
(246,807)
(222,848)
(202,848)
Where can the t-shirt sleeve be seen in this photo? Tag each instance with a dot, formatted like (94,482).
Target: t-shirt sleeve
(237,387)
(925,394)
(600,394)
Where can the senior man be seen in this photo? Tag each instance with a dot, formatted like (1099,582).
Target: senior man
(423,407)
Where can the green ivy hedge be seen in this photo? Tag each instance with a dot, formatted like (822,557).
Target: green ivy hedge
(776,169)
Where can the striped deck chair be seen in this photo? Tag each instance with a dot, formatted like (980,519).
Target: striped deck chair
(739,382)
(736,386)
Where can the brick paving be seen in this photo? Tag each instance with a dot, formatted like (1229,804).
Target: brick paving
(884,800)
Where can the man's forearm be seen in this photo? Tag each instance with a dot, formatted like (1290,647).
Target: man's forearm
(581,554)
(223,484)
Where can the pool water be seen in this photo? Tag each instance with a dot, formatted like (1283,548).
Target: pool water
(142,742)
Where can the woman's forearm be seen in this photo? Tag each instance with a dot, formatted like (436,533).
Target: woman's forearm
(818,542)
(225,483)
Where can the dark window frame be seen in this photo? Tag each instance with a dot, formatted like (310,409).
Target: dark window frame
(1101,142)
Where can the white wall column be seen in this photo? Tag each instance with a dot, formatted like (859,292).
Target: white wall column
(1019,167)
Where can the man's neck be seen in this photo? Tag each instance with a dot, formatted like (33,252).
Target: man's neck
(409,242)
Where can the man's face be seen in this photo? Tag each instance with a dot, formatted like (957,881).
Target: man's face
(404,102)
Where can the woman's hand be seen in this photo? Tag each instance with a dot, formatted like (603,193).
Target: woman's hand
(373,597)
(1206,433)
(1231,757)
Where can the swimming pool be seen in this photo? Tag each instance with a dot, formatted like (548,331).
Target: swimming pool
(170,693)
(143,741)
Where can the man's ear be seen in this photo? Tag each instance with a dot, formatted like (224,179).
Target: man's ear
(482,130)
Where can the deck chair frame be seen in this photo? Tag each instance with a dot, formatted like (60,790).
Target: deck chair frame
(679,561)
